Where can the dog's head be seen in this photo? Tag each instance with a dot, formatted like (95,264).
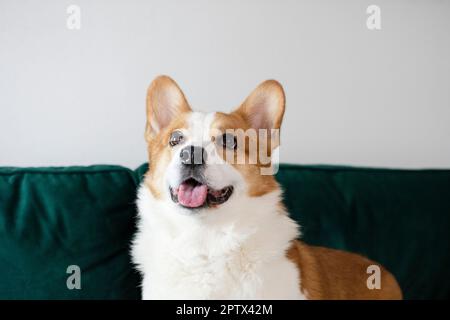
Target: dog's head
(202,161)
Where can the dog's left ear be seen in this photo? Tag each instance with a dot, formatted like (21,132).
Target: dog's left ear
(264,108)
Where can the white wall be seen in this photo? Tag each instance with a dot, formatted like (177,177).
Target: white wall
(354,96)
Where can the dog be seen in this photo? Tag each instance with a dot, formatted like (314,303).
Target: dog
(213,227)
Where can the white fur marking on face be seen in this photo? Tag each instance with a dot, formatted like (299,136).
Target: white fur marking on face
(218,172)
(199,125)
(196,132)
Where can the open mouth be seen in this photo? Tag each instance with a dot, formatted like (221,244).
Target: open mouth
(194,194)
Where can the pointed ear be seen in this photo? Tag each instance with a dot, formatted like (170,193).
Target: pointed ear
(264,107)
(165,101)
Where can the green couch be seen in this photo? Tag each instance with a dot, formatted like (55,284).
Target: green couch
(51,218)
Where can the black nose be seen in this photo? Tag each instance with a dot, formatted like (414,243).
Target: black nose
(193,155)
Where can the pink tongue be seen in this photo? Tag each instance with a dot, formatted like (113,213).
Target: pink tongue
(192,197)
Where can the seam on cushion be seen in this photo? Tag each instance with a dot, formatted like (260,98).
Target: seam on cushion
(17,171)
(128,173)
(88,170)
(295,167)
(285,167)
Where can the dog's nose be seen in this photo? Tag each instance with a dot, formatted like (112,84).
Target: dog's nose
(193,155)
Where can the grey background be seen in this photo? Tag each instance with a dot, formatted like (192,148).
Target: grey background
(354,96)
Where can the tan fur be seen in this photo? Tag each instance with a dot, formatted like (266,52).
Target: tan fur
(334,274)
(161,90)
(269,89)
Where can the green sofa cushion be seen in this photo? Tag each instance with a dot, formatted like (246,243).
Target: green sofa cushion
(56,217)
(51,218)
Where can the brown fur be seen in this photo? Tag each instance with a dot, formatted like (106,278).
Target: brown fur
(249,113)
(258,184)
(159,152)
(334,274)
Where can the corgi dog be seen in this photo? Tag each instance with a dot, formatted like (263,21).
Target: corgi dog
(212,224)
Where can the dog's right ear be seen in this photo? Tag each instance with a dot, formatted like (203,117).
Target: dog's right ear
(165,101)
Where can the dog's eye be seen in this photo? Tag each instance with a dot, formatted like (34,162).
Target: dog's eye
(229,141)
(175,138)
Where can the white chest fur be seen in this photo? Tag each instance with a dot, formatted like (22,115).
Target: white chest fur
(236,252)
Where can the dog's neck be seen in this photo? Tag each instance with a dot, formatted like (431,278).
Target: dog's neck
(207,256)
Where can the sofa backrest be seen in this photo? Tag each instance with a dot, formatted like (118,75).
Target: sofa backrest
(53,218)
